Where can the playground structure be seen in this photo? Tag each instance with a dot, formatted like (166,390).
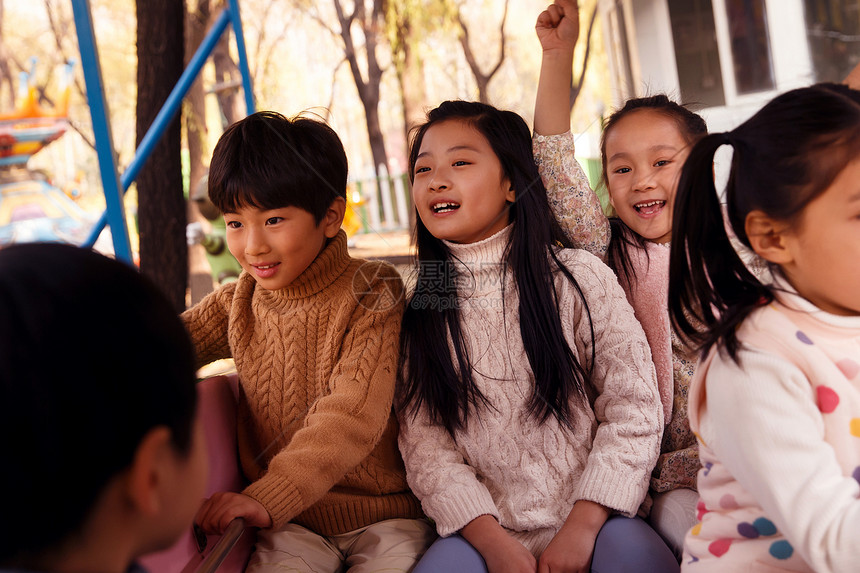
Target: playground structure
(31,208)
(114,185)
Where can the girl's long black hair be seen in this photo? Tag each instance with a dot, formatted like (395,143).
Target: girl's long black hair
(691,126)
(445,384)
(784,156)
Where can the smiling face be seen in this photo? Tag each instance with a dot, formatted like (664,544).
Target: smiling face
(459,186)
(824,247)
(275,246)
(645,151)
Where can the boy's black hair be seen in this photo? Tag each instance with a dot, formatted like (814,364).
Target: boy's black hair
(92,357)
(691,126)
(784,156)
(446,388)
(268,161)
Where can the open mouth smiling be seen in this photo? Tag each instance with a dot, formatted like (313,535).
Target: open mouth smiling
(649,207)
(444,207)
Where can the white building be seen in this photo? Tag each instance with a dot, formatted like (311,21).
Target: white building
(727,57)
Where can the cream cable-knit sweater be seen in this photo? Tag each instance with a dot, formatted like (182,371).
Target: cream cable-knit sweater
(503,463)
(316,363)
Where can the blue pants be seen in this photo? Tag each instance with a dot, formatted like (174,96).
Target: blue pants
(623,545)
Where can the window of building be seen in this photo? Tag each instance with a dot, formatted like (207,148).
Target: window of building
(696,53)
(620,51)
(833,31)
(750,45)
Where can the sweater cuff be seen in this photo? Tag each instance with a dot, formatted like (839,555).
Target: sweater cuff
(623,492)
(279,496)
(458,508)
(537,137)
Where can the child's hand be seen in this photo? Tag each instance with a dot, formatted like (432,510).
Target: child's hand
(502,553)
(557,27)
(571,549)
(510,556)
(223,507)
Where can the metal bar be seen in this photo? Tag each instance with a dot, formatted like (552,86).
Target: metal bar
(247,86)
(167,113)
(115,213)
(221,549)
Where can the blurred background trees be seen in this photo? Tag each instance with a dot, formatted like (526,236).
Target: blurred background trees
(371,68)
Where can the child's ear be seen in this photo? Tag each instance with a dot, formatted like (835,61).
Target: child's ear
(147,472)
(333,218)
(511,195)
(768,237)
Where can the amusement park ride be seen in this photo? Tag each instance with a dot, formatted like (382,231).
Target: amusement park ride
(31,207)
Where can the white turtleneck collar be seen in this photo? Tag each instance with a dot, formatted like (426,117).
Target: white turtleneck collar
(489,250)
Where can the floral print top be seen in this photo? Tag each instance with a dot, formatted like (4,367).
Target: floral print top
(578,211)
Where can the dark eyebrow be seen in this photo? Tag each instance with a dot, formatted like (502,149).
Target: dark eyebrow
(623,154)
(450,149)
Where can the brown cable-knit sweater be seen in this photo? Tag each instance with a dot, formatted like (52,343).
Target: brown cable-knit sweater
(316,364)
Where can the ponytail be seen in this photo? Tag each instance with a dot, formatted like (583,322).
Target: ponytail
(711,291)
(785,155)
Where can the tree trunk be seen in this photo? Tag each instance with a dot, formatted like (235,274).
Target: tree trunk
(196,130)
(368,91)
(410,74)
(161,204)
(200,280)
(482,79)
(576,89)
(228,79)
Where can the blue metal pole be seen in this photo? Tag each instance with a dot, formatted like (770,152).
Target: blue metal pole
(167,113)
(247,86)
(101,129)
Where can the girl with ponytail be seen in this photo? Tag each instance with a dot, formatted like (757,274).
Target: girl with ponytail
(775,400)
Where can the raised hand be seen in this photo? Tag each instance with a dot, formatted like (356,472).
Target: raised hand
(557,27)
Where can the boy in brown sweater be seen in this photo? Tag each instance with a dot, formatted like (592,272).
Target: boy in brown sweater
(314,334)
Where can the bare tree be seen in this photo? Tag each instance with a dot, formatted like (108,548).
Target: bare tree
(161,204)
(196,22)
(228,81)
(367,82)
(482,78)
(576,85)
(60,22)
(407,21)
(6,76)
(265,49)
(368,88)
(197,19)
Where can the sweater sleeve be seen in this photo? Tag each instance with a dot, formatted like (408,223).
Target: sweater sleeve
(764,425)
(341,428)
(575,206)
(627,404)
(207,323)
(439,476)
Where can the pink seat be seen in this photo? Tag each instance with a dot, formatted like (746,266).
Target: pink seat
(217,403)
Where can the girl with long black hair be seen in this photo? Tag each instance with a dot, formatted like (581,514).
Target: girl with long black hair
(530,418)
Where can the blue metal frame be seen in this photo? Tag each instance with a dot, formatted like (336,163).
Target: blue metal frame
(115,187)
